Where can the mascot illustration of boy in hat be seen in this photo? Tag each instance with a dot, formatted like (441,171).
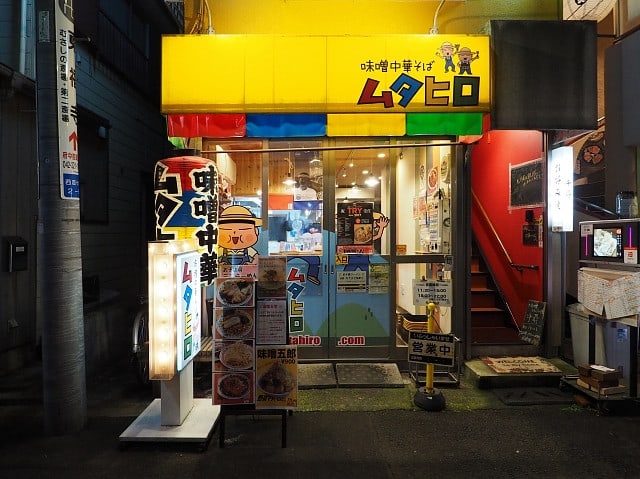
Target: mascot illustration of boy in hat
(237,233)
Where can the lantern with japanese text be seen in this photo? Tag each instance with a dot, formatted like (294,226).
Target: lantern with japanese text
(186,206)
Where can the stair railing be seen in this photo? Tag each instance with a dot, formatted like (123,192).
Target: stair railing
(503,299)
(517,266)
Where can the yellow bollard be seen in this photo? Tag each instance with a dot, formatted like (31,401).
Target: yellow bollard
(431,326)
(428,397)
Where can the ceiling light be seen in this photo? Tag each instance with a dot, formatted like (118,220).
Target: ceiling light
(289,181)
(371,181)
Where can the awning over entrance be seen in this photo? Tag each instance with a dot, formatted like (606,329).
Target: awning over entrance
(192,125)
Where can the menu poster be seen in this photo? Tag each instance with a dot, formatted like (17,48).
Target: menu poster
(237,270)
(234,355)
(591,291)
(276,377)
(623,298)
(234,387)
(355,227)
(271,322)
(234,372)
(272,282)
(233,323)
(234,292)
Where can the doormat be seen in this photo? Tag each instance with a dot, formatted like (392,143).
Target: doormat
(369,375)
(316,376)
(520,365)
(533,396)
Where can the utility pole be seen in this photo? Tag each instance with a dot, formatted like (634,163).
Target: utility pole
(59,253)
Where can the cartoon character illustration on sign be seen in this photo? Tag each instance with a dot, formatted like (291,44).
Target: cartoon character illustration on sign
(466,56)
(447,51)
(380,222)
(237,233)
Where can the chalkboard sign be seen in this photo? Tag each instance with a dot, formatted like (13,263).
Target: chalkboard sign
(533,325)
(525,184)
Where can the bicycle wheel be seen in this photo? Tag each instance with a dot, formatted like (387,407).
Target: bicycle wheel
(141,347)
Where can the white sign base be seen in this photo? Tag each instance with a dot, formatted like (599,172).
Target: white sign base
(177,397)
(177,416)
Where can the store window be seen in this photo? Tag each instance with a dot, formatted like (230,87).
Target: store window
(295,197)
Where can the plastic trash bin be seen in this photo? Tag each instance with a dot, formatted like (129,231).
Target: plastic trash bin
(579,318)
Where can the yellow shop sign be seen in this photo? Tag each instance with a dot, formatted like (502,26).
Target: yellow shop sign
(325,74)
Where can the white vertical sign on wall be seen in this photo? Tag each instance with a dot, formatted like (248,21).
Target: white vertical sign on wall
(66,98)
(560,189)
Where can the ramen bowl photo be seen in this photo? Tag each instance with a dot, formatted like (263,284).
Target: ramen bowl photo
(235,292)
(234,323)
(237,355)
(233,386)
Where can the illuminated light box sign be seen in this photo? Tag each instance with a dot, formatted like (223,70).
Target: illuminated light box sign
(325,74)
(560,189)
(174,306)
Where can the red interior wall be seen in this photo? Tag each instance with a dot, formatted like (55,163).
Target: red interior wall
(490,161)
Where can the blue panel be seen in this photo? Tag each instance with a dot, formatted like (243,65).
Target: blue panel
(286,126)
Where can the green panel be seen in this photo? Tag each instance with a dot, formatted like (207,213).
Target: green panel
(444,124)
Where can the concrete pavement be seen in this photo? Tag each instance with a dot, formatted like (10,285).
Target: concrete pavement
(489,440)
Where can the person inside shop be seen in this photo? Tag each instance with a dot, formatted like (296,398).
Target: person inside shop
(303,190)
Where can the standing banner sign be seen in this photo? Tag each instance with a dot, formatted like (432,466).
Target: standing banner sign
(66,100)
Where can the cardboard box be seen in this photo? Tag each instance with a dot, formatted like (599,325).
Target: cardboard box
(595,383)
(605,391)
(602,375)
(584,370)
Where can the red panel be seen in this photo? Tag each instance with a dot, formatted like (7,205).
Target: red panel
(280,202)
(217,125)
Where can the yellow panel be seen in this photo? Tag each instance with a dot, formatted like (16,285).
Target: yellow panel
(316,74)
(366,124)
(300,71)
(347,70)
(259,78)
(191,72)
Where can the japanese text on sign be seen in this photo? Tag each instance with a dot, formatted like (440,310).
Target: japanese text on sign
(425,292)
(431,348)
(67,108)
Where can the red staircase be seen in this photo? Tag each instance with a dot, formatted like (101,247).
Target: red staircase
(490,319)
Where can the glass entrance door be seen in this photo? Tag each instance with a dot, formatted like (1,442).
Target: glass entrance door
(328,225)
